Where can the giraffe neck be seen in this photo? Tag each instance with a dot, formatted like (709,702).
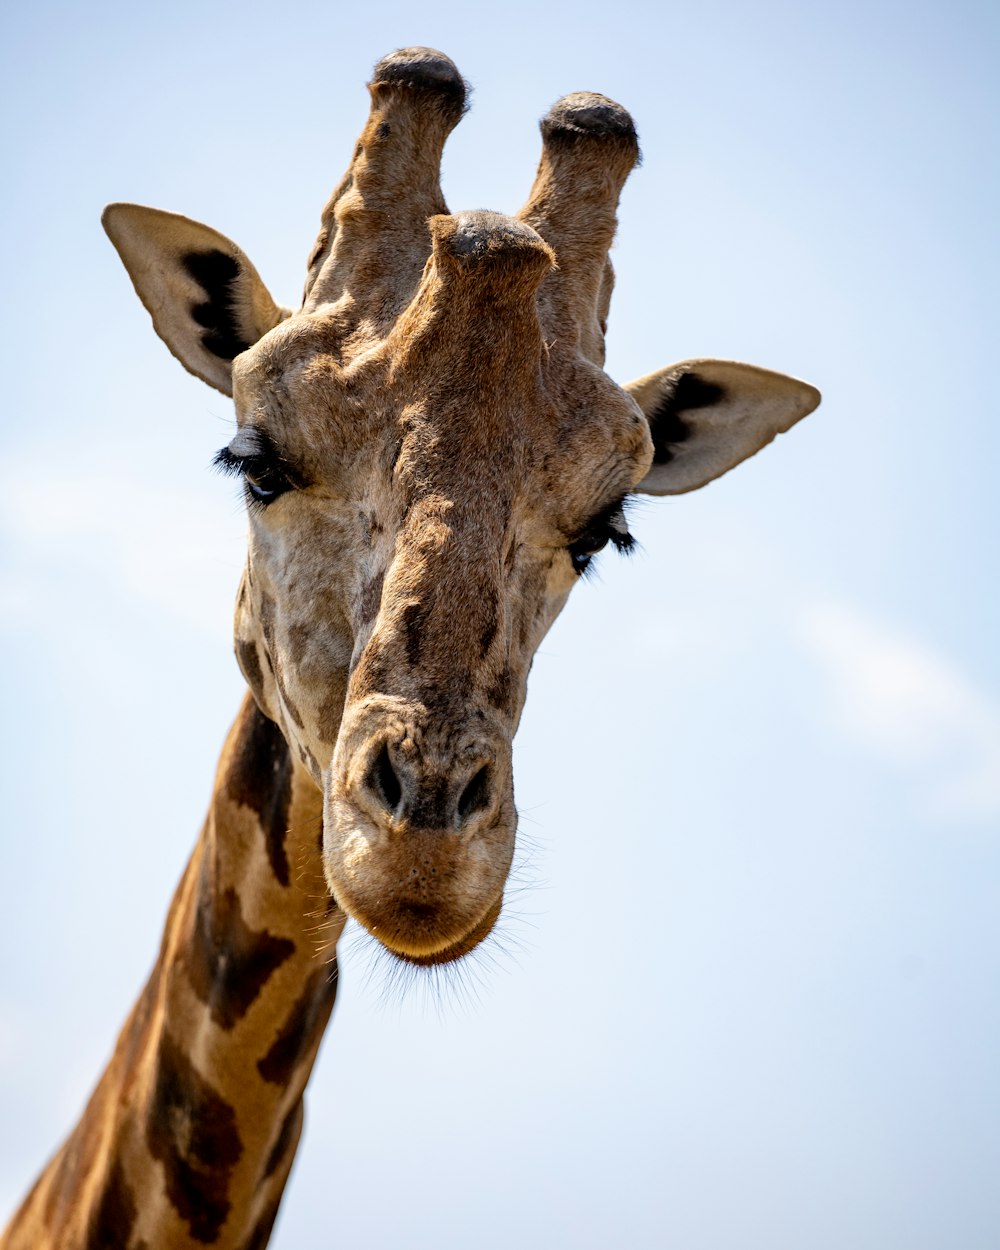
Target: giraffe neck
(190,1134)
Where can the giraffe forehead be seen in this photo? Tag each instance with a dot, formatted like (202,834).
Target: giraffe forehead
(553,444)
(295,381)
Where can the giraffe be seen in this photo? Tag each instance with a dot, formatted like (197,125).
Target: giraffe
(431,455)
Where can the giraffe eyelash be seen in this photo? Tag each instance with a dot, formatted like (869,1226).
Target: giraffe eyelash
(265,477)
(231,464)
(608,526)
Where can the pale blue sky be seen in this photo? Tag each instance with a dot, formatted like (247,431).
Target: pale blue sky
(752,993)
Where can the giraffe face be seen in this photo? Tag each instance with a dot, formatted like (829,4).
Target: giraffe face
(431,453)
(414,531)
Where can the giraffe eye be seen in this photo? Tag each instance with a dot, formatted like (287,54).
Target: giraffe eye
(251,457)
(584,549)
(609,526)
(264,483)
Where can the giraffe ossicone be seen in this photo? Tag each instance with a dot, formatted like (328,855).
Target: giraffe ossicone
(431,455)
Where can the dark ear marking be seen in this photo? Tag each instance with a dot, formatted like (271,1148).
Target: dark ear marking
(666,424)
(216,273)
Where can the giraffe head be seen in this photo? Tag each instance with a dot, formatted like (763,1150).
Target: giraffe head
(432,455)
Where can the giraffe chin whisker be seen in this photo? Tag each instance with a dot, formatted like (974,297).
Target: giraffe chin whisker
(457,950)
(427,895)
(425,933)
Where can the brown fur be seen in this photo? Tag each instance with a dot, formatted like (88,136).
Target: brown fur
(185,1141)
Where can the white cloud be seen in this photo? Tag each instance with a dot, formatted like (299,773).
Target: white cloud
(911,705)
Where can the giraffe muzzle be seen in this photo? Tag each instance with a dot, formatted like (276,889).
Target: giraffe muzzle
(419,828)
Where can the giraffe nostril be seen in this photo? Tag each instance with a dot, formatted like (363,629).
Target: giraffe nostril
(475,795)
(382,780)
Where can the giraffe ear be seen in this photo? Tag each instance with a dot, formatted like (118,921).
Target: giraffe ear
(706,416)
(207,301)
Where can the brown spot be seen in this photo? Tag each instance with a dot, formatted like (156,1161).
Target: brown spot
(246,657)
(260,777)
(113,1218)
(287,1140)
(489,632)
(192,1132)
(228,962)
(413,628)
(303,1027)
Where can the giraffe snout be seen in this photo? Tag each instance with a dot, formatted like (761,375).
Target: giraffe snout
(419,830)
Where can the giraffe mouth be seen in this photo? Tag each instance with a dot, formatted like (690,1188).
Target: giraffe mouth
(428,893)
(457,950)
(413,932)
